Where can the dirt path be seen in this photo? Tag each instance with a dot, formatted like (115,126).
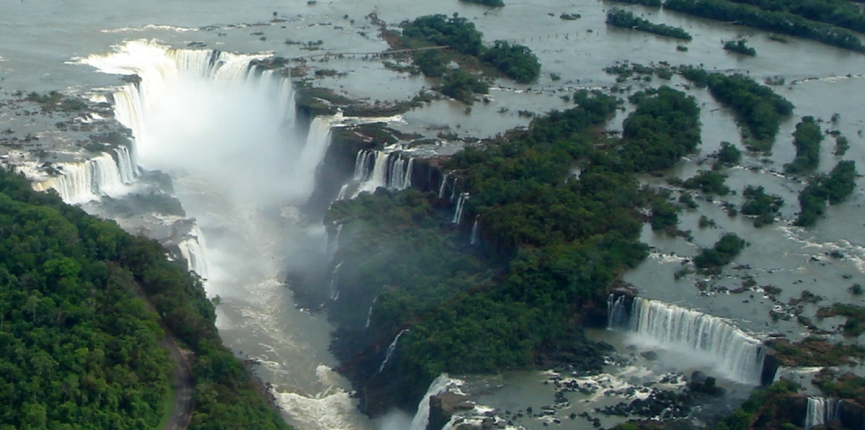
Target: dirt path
(182,384)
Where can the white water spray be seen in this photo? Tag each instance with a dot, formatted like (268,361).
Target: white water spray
(737,355)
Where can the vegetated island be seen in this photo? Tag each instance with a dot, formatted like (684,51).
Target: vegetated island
(81,349)
(767,19)
(740,47)
(518,300)
(465,47)
(626,19)
(491,3)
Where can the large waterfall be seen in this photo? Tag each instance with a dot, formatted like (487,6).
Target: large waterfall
(728,349)
(225,132)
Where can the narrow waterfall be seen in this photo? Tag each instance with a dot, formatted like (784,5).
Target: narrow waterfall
(821,410)
(342,191)
(82,181)
(127,169)
(334,292)
(454,189)
(458,212)
(390,350)
(369,314)
(332,242)
(473,238)
(617,312)
(731,351)
(439,385)
(443,185)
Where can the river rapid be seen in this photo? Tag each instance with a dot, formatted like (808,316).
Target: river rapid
(232,147)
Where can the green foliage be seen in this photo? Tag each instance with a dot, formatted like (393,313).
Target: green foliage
(724,251)
(664,214)
(757,107)
(843,386)
(432,63)
(740,47)
(763,206)
(836,12)
(708,181)
(80,348)
(764,405)
(492,3)
(650,3)
(626,19)
(834,187)
(439,30)
(841,145)
(549,243)
(855,324)
(780,21)
(806,138)
(728,155)
(664,127)
(462,86)
(515,61)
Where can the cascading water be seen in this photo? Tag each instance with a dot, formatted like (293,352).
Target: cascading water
(225,132)
(458,211)
(80,182)
(821,410)
(334,291)
(737,355)
(192,249)
(369,314)
(391,349)
(443,185)
(473,238)
(617,312)
(388,169)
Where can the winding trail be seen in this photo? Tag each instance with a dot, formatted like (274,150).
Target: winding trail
(182,384)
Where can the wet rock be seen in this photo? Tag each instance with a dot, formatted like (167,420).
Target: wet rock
(649,355)
(443,406)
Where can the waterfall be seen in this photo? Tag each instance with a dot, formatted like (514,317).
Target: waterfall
(185,114)
(822,410)
(192,249)
(458,212)
(438,386)
(361,165)
(369,314)
(334,293)
(730,350)
(454,189)
(473,238)
(443,185)
(127,169)
(617,312)
(390,350)
(389,169)
(82,181)
(342,191)
(332,243)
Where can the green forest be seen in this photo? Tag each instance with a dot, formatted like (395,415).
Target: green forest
(552,242)
(81,347)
